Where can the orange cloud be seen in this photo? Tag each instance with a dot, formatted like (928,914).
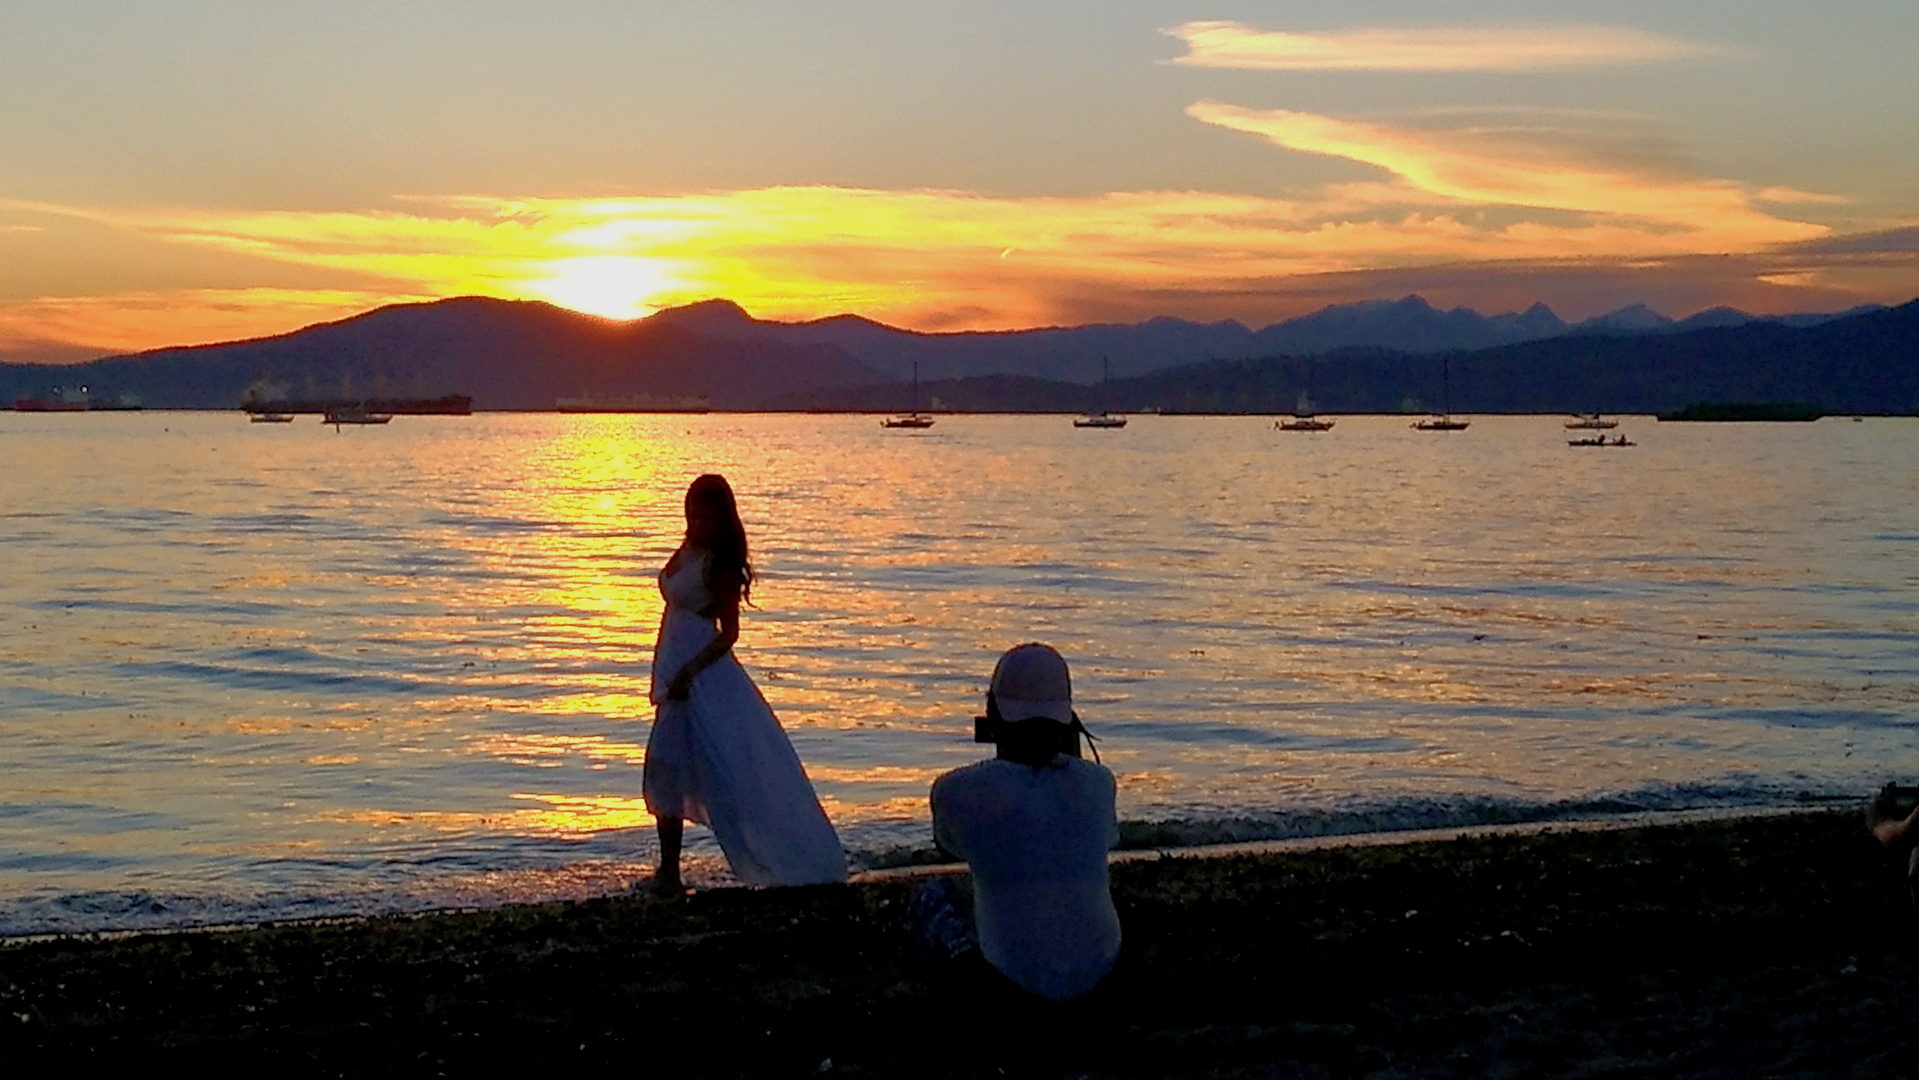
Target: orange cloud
(931,259)
(1631,210)
(82,327)
(1485,48)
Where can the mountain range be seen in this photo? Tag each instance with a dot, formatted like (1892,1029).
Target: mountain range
(1083,353)
(1374,356)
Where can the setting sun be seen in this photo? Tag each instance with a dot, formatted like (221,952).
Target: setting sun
(612,286)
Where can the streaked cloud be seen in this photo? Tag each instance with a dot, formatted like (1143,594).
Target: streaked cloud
(1786,196)
(1455,192)
(1219,44)
(1660,212)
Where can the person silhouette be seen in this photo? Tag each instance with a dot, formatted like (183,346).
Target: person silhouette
(1034,823)
(717,754)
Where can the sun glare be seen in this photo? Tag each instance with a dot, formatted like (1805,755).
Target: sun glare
(611,286)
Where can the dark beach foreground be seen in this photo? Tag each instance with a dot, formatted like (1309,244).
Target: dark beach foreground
(1754,946)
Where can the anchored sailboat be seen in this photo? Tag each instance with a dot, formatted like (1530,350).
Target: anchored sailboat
(1443,420)
(1102,418)
(1303,418)
(914,419)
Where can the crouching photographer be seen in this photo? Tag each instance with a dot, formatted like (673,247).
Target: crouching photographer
(1034,823)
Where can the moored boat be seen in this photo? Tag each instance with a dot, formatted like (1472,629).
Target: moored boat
(1443,419)
(1103,418)
(634,403)
(916,418)
(354,414)
(1308,422)
(27,404)
(1590,422)
(75,401)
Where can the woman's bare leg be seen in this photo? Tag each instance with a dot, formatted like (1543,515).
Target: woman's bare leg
(666,880)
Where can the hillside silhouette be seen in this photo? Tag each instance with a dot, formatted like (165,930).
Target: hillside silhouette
(505,354)
(1866,363)
(525,355)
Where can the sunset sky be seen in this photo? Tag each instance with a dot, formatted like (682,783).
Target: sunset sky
(182,171)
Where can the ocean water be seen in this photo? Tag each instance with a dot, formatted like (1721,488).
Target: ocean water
(265,671)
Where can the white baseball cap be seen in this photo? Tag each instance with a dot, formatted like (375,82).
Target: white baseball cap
(1031,680)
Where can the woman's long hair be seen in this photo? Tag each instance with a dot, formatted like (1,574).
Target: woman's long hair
(729,567)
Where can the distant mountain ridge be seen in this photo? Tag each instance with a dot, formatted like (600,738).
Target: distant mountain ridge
(1865,363)
(1079,354)
(505,354)
(525,355)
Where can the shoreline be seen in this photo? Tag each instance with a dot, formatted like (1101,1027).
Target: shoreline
(913,871)
(1716,945)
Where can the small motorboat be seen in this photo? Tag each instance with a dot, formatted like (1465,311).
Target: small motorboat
(270,418)
(1590,422)
(1601,440)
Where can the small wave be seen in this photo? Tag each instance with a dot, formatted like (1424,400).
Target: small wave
(250,678)
(1199,828)
(438,881)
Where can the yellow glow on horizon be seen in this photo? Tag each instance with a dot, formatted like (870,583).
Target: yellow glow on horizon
(612,286)
(131,322)
(954,260)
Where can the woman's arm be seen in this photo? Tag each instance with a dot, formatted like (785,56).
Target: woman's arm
(728,613)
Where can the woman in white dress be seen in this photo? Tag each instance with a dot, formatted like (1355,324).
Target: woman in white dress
(717,754)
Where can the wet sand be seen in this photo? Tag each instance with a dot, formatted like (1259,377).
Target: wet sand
(1752,946)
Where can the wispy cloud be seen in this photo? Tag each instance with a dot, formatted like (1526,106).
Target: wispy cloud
(1656,211)
(1472,48)
(1793,196)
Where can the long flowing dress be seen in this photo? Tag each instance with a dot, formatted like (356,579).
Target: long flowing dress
(720,757)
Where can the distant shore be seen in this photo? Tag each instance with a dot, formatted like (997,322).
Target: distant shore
(1268,414)
(1715,945)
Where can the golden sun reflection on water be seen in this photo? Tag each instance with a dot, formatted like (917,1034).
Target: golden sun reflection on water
(563,817)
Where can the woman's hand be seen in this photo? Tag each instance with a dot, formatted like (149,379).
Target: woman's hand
(680,687)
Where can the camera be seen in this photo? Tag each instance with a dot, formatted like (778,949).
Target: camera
(1896,801)
(992,727)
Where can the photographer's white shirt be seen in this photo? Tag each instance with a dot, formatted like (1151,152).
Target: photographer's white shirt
(1036,839)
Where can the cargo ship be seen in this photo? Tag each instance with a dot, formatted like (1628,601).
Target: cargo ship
(63,401)
(632,403)
(1746,410)
(447,405)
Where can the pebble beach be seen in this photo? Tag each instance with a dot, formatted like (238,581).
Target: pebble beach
(1766,945)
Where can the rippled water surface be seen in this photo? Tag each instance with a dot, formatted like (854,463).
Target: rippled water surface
(260,670)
